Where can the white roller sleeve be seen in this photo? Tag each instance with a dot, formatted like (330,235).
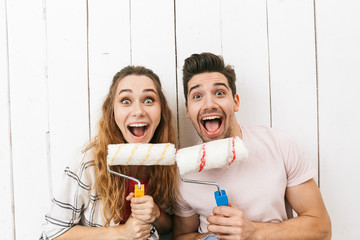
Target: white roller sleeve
(141,154)
(213,154)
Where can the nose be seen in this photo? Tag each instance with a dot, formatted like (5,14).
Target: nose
(210,103)
(138,109)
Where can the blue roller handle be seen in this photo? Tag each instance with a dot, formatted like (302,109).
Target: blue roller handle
(221,200)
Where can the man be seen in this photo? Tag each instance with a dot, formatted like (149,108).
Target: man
(258,187)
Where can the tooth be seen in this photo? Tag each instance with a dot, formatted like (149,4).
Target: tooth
(211,118)
(138,125)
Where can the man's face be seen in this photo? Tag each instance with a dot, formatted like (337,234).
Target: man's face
(211,106)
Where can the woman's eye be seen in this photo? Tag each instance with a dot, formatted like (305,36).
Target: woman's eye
(149,100)
(125,101)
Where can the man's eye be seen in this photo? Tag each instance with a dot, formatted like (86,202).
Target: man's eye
(219,93)
(196,96)
(149,100)
(125,101)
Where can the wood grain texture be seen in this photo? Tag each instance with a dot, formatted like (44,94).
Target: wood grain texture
(245,47)
(297,64)
(109,50)
(29,120)
(67,84)
(293,72)
(338,34)
(153,42)
(6,185)
(198,29)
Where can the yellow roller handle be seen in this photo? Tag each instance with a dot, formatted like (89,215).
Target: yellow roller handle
(139,192)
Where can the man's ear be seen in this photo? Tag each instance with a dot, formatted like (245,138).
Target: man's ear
(237,103)
(187,111)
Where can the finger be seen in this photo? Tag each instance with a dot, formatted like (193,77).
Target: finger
(233,206)
(226,221)
(139,212)
(130,196)
(150,205)
(143,199)
(143,206)
(227,211)
(224,230)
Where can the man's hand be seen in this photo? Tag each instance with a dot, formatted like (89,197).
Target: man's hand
(229,222)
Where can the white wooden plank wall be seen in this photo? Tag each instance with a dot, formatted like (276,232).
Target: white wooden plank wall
(338,44)
(29,117)
(293,71)
(198,29)
(109,49)
(297,64)
(153,42)
(245,46)
(6,184)
(67,83)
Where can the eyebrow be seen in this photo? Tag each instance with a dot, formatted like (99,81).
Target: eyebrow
(130,91)
(215,84)
(194,87)
(150,90)
(222,84)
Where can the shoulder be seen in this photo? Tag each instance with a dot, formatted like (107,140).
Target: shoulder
(270,139)
(258,129)
(263,133)
(82,170)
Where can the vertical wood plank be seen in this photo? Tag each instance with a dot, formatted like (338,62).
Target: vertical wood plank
(109,49)
(198,29)
(293,72)
(153,42)
(244,46)
(26,36)
(338,38)
(67,83)
(6,187)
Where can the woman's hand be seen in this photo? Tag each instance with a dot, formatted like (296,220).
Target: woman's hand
(135,229)
(144,208)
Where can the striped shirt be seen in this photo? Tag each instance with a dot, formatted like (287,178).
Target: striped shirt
(76,202)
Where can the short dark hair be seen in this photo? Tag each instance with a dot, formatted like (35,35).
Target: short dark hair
(207,62)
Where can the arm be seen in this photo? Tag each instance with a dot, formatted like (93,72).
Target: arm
(185,228)
(132,229)
(313,221)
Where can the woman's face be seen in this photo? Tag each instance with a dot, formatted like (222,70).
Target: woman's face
(137,108)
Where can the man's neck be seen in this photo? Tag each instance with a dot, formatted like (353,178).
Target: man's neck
(236,130)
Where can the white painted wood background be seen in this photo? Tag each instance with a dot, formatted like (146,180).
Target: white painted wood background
(297,63)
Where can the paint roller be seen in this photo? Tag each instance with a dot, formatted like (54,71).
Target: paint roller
(213,154)
(139,154)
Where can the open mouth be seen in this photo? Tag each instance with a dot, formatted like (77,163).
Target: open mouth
(212,123)
(138,129)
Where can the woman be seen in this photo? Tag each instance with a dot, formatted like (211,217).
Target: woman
(95,204)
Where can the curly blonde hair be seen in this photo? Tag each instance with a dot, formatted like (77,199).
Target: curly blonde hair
(110,187)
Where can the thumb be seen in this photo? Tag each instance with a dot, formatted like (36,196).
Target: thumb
(233,206)
(130,196)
